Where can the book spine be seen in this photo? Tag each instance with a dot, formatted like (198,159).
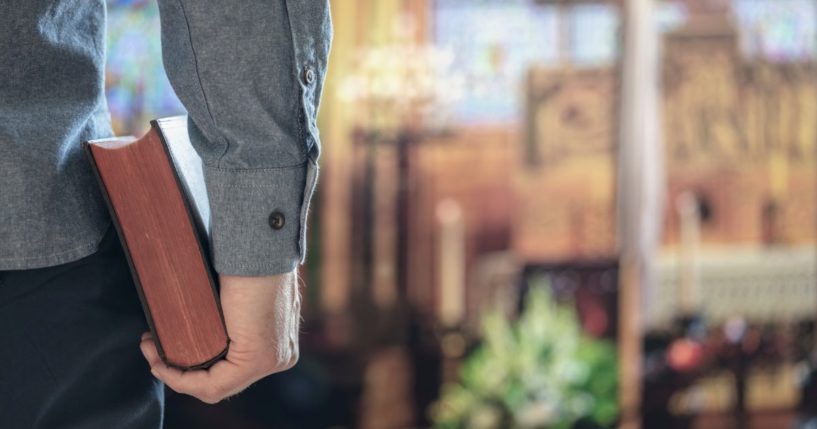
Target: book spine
(87,148)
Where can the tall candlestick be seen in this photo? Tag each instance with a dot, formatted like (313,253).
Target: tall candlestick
(451,257)
(690,218)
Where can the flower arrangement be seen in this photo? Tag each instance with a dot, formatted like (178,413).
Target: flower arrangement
(540,371)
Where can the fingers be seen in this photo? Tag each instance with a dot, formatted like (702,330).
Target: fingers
(262,315)
(212,385)
(149,350)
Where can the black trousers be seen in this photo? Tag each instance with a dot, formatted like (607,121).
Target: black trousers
(69,347)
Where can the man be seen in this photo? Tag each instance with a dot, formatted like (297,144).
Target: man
(250,74)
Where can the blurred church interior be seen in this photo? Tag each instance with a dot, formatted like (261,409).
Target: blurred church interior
(652,162)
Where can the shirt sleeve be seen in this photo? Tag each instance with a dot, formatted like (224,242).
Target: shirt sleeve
(250,74)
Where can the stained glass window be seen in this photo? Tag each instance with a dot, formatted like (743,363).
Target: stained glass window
(137,88)
(593,34)
(779,30)
(495,42)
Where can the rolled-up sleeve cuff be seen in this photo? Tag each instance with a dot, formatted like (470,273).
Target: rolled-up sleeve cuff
(258,218)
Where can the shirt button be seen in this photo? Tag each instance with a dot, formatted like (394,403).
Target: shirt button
(276,220)
(309,75)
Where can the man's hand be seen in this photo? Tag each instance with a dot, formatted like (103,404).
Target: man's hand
(262,315)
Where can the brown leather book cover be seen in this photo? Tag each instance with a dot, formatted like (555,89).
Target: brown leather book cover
(154,187)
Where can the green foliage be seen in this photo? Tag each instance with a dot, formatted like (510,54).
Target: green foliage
(540,371)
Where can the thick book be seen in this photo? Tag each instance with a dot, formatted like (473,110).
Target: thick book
(155,191)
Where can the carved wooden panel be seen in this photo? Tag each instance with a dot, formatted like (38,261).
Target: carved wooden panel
(741,135)
(567,192)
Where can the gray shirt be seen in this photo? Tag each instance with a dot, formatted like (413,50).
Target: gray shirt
(249,73)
